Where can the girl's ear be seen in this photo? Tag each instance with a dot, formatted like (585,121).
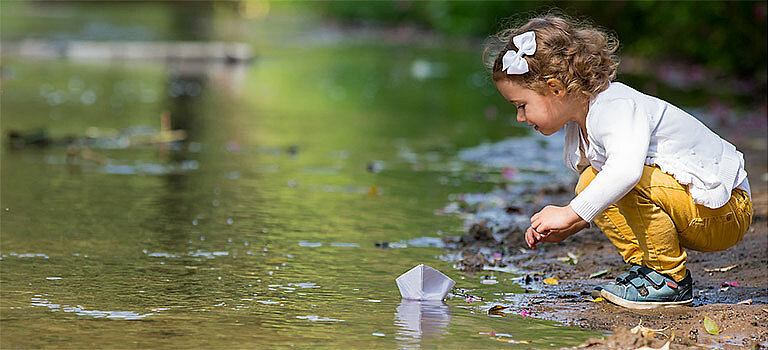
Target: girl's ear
(556,87)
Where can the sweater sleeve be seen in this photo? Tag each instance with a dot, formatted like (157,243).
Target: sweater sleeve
(622,129)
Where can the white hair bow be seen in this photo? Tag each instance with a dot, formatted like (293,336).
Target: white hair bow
(512,61)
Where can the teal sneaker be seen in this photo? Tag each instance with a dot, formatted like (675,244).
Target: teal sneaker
(644,288)
(630,273)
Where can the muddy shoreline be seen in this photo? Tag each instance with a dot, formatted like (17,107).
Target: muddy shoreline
(741,312)
(739,324)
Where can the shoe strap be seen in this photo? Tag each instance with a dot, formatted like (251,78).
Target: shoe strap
(627,276)
(656,279)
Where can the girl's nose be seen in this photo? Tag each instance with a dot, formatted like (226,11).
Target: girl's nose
(520,116)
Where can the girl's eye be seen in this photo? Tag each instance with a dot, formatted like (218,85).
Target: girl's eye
(520,106)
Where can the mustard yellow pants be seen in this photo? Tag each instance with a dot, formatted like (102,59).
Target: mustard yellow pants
(652,224)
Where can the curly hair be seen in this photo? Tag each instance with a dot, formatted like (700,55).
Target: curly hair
(578,54)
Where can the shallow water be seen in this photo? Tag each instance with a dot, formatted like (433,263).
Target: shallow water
(260,229)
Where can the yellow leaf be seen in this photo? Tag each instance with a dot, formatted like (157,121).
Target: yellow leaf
(595,300)
(711,326)
(551,280)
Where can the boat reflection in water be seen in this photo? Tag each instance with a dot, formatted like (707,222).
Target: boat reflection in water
(421,322)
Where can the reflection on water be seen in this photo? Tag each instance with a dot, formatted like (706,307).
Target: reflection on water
(271,225)
(421,321)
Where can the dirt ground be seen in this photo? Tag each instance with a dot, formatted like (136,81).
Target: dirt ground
(740,312)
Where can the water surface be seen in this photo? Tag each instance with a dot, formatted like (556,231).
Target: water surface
(260,228)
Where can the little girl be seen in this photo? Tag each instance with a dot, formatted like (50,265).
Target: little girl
(653,178)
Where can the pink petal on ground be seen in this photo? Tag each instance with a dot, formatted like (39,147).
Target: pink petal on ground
(525,313)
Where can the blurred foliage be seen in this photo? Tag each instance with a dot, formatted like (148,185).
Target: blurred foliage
(728,37)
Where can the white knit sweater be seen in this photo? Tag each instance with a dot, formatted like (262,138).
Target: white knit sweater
(628,129)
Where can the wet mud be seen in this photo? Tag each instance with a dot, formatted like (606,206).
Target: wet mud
(730,287)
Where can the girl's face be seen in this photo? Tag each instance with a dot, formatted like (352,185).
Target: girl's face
(547,113)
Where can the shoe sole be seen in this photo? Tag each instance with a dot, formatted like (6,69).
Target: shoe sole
(641,305)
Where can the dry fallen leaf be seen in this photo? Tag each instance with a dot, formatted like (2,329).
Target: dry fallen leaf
(722,269)
(599,273)
(551,280)
(647,332)
(496,310)
(745,302)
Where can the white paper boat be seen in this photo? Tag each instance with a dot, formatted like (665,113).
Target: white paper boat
(424,283)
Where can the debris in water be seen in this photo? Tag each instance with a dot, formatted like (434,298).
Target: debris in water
(424,283)
(461,292)
(729,284)
(316,318)
(745,302)
(375,166)
(552,281)
(525,313)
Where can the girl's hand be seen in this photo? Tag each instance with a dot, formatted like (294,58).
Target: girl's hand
(532,237)
(553,224)
(553,218)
